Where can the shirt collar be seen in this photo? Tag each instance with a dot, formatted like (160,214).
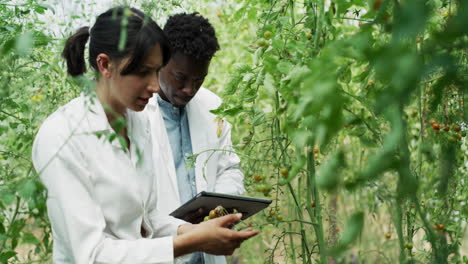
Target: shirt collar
(170,109)
(164,103)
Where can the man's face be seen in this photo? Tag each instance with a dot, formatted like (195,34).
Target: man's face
(181,78)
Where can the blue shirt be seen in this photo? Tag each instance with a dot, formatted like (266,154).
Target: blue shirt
(178,131)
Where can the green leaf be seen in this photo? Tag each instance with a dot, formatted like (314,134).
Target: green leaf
(259,118)
(8,46)
(40,8)
(228,111)
(27,189)
(6,196)
(284,67)
(447,167)
(354,228)
(411,18)
(269,83)
(2,228)
(29,238)
(343,7)
(328,176)
(41,39)
(248,76)
(277,43)
(45,7)
(351,233)
(24,43)
(5,256)
(112,137)
(123,143)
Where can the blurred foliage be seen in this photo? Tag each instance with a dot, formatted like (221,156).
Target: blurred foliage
(354,87)
(347,112)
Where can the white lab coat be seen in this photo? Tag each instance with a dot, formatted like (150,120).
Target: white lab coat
(215,171)
(98,195)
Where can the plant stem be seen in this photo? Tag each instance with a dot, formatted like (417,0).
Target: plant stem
(316,213)
(318,30)
(399,228)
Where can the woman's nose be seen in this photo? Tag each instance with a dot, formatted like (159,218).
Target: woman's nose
(153,85)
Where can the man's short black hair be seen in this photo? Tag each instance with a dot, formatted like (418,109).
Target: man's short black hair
(192,35)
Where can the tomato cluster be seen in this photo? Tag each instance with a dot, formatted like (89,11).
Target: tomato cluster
(218,212)
(261,185)
(274,213)
(454,132)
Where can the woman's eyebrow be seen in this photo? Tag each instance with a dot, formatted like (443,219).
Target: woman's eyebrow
(149,66)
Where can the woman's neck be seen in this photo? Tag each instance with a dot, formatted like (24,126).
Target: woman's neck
(112,108)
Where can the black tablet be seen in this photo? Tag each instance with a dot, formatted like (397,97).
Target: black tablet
(248,206)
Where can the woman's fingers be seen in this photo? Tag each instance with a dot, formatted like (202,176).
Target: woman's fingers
(228,220)
(246,234)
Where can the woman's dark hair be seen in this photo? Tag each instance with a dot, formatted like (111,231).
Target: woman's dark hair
(191,35)
(119,32)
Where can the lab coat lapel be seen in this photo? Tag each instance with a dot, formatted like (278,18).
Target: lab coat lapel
(197,122)
(97,119)
(164,166)
(139,133)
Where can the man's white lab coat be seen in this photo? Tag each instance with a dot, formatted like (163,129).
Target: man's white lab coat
(215,171)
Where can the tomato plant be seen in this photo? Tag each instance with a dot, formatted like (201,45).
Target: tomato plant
(360,81)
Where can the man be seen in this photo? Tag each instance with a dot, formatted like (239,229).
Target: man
(191,128)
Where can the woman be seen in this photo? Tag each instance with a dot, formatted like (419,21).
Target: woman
(101,200)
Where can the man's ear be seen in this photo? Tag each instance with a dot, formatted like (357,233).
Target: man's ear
(104,65)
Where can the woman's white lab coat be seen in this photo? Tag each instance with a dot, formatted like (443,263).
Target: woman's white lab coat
(100,196)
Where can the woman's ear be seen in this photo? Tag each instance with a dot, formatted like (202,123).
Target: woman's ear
(104,65)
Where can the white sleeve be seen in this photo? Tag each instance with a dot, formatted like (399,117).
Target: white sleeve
(77,220)
(163,224)
(229,177)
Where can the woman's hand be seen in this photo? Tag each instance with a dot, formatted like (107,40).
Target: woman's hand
(213,236)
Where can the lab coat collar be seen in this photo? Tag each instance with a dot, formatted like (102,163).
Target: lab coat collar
(138,130)
(97,119)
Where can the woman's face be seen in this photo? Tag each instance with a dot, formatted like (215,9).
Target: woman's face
(133,91)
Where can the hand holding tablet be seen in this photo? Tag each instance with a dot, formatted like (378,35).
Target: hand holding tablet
(204,203)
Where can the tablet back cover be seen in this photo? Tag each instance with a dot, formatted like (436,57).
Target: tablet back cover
(248,206)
